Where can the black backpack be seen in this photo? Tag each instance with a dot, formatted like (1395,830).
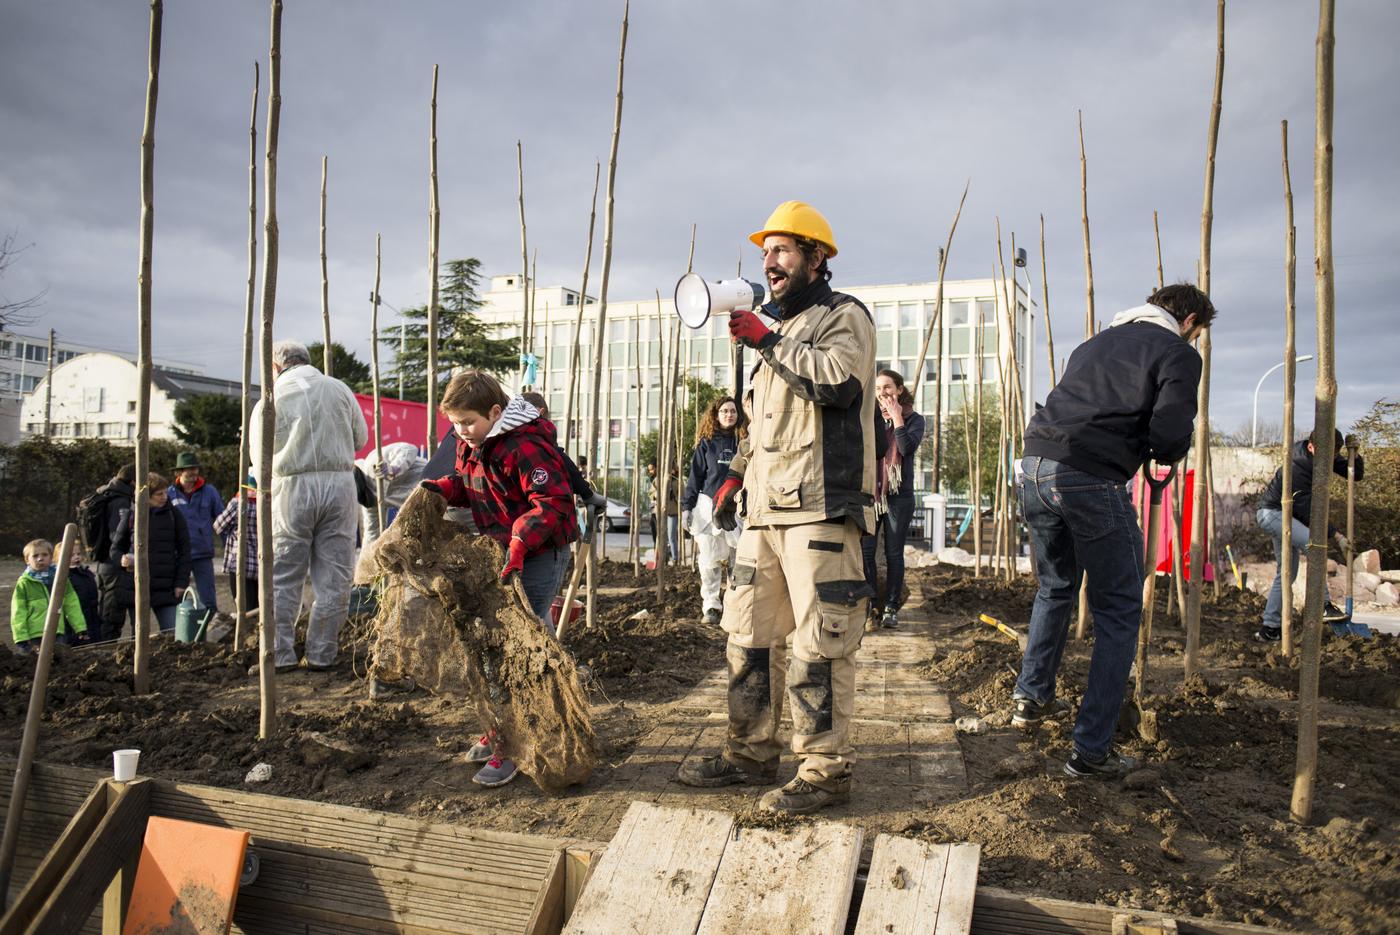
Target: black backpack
(92,522)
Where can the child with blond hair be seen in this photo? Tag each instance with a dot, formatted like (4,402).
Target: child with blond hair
(29,605)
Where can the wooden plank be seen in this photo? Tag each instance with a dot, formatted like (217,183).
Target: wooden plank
(579,862)
(56,864)
(797,881)
(959,890)
(655,875)
(107,850)
(903,888)
(999,911)
(548,916)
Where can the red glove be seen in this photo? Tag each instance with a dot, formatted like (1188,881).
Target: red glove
(746,328)
(515,559)
(442,486)
(727,502)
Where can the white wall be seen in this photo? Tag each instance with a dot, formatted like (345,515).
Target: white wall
(94,396)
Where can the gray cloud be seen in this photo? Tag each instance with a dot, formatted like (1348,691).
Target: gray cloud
(876,113)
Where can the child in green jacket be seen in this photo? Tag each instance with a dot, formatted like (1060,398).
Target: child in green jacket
(30,603)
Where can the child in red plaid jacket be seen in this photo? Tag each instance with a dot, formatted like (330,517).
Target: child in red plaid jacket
(512,476)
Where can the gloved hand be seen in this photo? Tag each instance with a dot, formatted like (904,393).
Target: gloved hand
(438,486)
(515,559)
(686,517)
(1341,541)
(727,504)
(746,328)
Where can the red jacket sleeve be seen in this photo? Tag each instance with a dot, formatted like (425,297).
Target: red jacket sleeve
(544,482)
(452,488)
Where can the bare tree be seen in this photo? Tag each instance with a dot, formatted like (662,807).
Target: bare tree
(14,312)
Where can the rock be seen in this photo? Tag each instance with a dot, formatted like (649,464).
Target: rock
(262,772)
(1387,595)
(998,718)
(1368,561)
(1393,576)
(952,555)
(1365,580)
(1016,764)
(971,725)
(1142,779)
(318,750)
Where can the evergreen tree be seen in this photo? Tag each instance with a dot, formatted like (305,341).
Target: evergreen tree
(464,340)
(208,420)
(345,366)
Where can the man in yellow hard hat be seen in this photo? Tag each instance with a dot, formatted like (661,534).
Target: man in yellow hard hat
(807,473)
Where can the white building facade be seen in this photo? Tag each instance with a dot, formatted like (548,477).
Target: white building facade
(902,314)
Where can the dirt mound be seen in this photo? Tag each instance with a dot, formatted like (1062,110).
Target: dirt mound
(445,619)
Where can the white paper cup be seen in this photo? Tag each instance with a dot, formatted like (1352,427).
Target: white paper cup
(124,764)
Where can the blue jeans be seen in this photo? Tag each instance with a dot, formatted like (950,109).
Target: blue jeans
(1271,521)
(203,570)
(540,577)
(1081,522)
(894,526)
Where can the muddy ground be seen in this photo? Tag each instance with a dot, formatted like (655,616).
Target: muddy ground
(1203,831)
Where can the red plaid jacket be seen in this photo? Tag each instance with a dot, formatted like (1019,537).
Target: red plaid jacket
(516,486)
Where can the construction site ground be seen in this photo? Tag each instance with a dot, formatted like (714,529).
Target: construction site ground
(1202,830)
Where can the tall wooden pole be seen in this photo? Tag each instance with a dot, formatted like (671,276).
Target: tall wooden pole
(48,391)
(1290,390)
(1157,235)
(571,397)
(141,676)
(1200,498)
(326,355)
(246,398)
(601,329)
(1045,306)
(663,423)
(1324,421)
(936,320)
(1081,626)
(434,230)
(267,623)
(976,465)
(634,529)
(524,267)
(374,384)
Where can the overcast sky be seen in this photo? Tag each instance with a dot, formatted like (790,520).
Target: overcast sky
(877,113)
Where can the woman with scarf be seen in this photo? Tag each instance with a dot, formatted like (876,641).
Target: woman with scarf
(894,493)
(716,441)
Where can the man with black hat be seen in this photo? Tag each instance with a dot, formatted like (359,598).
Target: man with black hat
(201,504)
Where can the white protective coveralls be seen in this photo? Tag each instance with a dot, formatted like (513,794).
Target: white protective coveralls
(713,547)
(319,428)
(403,469)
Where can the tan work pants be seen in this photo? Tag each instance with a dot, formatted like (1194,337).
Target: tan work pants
(806,582)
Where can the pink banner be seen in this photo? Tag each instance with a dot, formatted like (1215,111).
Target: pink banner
(401,421)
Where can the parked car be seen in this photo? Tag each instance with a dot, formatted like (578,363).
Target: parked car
(618,517)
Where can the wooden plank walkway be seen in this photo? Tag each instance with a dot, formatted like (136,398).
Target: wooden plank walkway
(916,888)
(902,730)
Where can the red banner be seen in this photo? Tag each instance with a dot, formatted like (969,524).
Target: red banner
(401,421)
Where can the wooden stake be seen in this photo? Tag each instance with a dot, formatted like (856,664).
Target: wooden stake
(1290,378)
(1324,421)
(663,448)
(374,385)
(1157,233)
(141,676)
(578,320)
(524,267)
(976,465)
(601,329)
(634,529)
(1045,304)
(48,391)
(326,355)
(1081,626)
(935,322)
(434,232)
(1201,500)
(246,398)
(267,622)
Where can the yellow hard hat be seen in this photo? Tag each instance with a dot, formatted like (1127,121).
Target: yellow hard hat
(798,219)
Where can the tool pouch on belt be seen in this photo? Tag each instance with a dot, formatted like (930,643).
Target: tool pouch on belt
(842,616)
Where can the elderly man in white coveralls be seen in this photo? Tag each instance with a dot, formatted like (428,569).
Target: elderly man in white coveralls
(314,511)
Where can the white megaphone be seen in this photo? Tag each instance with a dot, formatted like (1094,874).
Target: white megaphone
(697,299)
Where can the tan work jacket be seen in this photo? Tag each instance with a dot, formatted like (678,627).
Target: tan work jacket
(810,451)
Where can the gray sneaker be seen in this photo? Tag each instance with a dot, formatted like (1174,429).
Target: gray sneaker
(496,772)
(890,621)
(800,797)
(714,771)
(480,751)
(1113,766)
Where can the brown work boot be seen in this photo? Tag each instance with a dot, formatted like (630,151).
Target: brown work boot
(800,797)
(716,771)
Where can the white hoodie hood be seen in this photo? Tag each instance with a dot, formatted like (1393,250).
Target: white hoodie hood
(516,414)
(1158,316)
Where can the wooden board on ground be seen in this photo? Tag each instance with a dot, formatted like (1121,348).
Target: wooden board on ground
(795,881)
(916,887)
(656,874)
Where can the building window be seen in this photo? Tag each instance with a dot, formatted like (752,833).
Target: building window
(131,405)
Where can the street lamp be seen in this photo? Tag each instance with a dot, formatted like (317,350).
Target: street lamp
(1254,419)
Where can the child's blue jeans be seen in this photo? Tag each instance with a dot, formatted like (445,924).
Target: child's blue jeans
(540,577)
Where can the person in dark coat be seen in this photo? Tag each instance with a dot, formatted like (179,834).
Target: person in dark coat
(119,492)
(169,557)
(1271,519)
(199,502)
(84,582)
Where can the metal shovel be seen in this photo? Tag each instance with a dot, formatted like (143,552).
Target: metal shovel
(1144,717)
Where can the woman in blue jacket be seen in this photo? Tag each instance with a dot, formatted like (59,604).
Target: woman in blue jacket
(894,491)
(716,442)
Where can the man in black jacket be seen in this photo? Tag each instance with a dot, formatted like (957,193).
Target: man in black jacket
(1127,395)
(1270,518)
(118,493)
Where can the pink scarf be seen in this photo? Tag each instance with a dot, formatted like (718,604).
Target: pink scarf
(889,471)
